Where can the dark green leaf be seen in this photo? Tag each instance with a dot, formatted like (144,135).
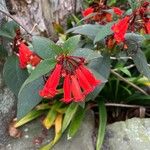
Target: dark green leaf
(134,42)
(29,97)
(14,76)
(87,30)
(76,122)
(139,99)
(71,110)
(88,54)
(102,124)
(101,68)
(43,47)
(71,44)
(134,4)
(3,51)
(8,29)
(141,63)
(103,32)
(44,67)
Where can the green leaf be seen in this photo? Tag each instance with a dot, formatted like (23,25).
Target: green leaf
(134,42)
(58,133)
(43,47)
(134,4)
(125,71)
(76,122)
(44,67)
(71,110)
(14,76)
(57,49)
(49,119)
(111,2)
(139,99)
(103,32)
(141,63)
(29,117)
(101,65)
(89,30)
(51,116)
(29,97)
(8,29)
(71,44)
(3,52)
(101,69)
(88,54)
(102,124)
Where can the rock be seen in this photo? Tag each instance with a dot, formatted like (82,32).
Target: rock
(7,110)
(132,134)
(40,15)
(7,113)
(34,136)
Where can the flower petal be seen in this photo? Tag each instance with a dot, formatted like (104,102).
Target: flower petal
(49,89)
(67,89)
(76,90)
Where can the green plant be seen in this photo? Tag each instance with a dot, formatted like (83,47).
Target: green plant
(115,66)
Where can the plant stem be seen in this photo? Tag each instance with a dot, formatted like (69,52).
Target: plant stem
(128,82)
(10,16)
(123,105)
(120,105)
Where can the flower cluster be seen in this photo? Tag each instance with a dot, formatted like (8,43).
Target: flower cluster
(138,20)
(78,81)
(136,24)
(102,16)
(26,56)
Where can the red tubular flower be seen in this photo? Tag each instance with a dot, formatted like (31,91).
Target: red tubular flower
(49,89)
(87,11)
(117,11)
(67,89)
(120,29)
(147,26)
(89,75)
(78,80)
(76,91)
(83,82)
(24,55)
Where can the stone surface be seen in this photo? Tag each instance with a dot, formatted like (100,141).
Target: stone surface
(34,136)
(133,134)
(40,15)
(7,109)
